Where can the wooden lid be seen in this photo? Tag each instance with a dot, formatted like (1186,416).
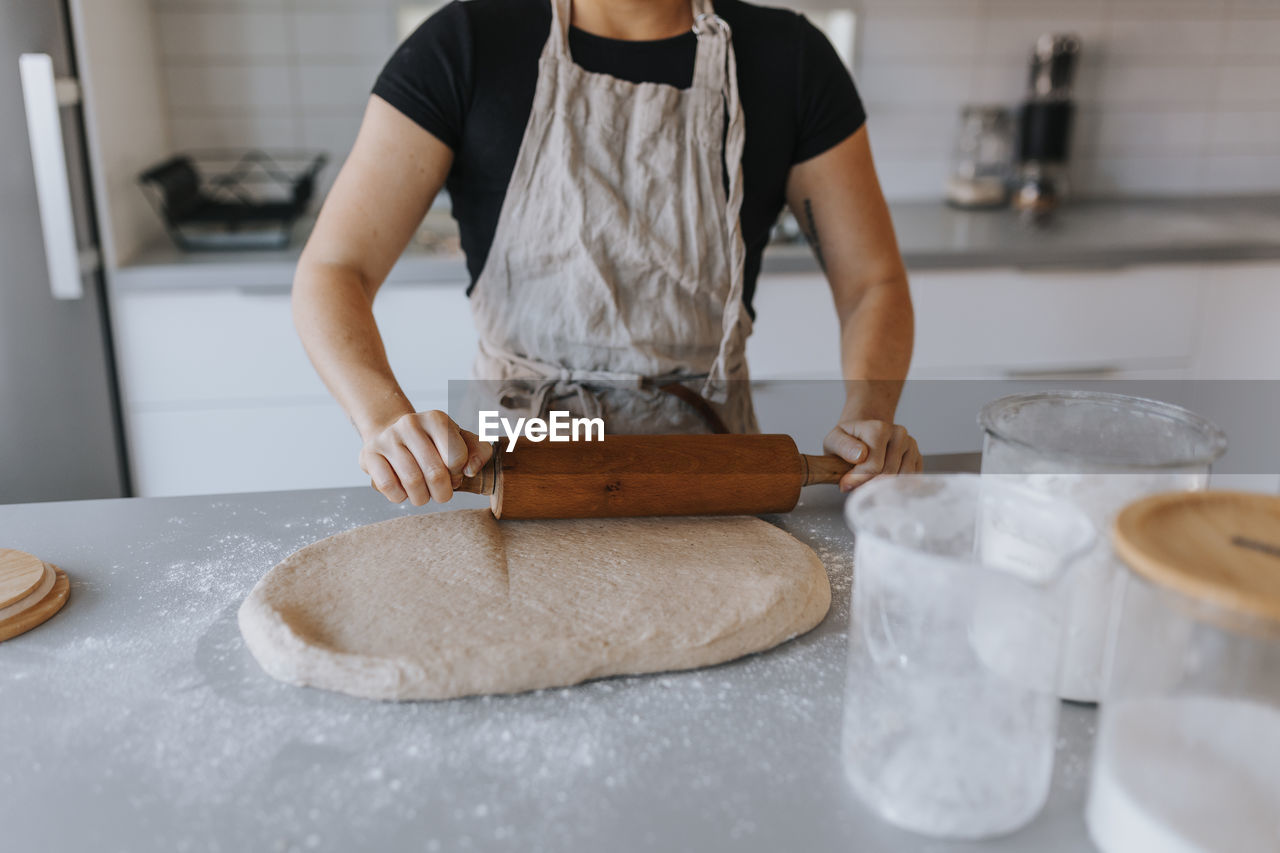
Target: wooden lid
(1218,547)
(20,574)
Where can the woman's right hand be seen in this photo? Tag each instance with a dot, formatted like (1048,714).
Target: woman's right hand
(422,456)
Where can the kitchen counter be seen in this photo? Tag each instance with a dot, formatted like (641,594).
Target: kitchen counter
(1103,233)
(932,236)
(135,720)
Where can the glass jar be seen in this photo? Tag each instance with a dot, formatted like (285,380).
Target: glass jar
(1100,451)
(1187,758)
(982,157)
(954,646)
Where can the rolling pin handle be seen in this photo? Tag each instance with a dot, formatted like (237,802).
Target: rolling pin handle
(823,469)
(485,482)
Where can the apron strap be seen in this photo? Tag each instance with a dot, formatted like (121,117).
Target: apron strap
(708,63)
(558,40)
(715,40)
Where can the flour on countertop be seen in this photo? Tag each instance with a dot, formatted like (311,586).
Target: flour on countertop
(174,708)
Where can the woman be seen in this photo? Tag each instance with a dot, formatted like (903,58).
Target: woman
(614,166)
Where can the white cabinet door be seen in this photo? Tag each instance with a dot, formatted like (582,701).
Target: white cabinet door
(796,333)
(988,324)
(429,335)
(1240,337)
(191,451)
(203,347)
(220,396)
(224,369)
(998,323)
(1240,340)
(1015,324)
(240,346)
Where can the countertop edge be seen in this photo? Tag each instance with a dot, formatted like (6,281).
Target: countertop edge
(1086,235)
(276,276)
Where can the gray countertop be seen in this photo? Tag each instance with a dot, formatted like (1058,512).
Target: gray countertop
(135,720)
(932,236)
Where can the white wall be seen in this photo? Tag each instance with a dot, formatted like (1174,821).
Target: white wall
(1176,96)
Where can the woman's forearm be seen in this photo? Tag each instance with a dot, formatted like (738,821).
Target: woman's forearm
(381,194)
(333,313)
(876,340)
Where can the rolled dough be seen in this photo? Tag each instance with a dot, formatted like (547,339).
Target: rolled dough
(452,604)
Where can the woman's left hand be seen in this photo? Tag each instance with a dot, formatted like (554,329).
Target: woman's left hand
(875,448)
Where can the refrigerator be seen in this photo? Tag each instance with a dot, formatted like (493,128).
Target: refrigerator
(61,436)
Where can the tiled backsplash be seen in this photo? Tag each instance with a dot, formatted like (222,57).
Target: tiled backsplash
(1175,96)
(271,73)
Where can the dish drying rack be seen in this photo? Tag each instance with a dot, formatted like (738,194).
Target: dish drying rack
(211,200)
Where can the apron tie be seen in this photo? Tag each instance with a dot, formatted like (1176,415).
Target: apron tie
(547,383)
(541,393)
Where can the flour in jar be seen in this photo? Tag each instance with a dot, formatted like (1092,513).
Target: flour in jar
(1187,775)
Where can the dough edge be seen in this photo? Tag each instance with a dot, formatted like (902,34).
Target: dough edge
(285,656)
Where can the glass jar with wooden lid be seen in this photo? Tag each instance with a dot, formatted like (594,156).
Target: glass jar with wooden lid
(1188,751)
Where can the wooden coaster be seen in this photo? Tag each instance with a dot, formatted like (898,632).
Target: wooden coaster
(20,575)
(36,596)
(41,611)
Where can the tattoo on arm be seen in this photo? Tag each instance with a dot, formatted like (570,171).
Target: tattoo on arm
(810,228)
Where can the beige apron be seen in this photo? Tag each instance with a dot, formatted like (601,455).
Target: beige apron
(617,263)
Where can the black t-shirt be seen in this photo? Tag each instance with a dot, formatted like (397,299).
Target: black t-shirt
(467,76)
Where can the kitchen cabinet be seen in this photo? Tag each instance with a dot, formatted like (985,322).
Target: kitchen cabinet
(225,448)
(994,325)
(1240,323)
(1012,324)
(1240,340)
(997,324)
(1000,324)
(239,345)
(231,346)
(1009,327)
(220,397)
(795,334)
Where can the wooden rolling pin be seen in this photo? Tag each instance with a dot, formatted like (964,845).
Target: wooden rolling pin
(630,475)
